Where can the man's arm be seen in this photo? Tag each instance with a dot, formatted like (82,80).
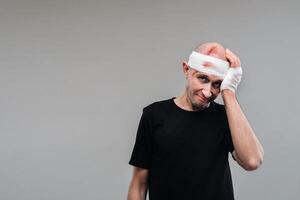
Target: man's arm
(248,150)
(139,184)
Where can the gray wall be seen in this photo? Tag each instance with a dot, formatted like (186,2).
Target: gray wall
(75,75)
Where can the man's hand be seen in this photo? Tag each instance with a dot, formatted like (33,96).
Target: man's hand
(233,59)
(234,74)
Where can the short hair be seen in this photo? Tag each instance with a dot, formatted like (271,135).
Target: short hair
(209,48)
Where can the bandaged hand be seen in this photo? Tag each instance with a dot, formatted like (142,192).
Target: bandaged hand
(234,73)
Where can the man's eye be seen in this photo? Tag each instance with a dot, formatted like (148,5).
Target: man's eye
(203,78)
(217,85)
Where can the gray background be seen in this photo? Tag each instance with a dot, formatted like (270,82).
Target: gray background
(75,76)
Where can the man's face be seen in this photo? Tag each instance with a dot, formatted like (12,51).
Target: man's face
(202,88)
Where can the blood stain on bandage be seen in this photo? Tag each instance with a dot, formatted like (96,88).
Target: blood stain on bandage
(208,64)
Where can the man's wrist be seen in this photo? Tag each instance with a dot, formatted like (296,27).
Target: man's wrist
(227,93)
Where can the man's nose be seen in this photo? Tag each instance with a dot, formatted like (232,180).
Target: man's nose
(207,90)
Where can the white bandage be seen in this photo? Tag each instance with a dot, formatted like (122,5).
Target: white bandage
(217,66)
(231,76)
(232,79)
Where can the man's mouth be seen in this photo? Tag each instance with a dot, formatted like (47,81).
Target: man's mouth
(204,100)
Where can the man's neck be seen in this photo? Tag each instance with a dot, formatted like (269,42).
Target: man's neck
(184,102)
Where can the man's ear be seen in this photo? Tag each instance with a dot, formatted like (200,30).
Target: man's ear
(185,68)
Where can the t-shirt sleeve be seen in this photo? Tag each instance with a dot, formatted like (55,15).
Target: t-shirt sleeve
(142,150)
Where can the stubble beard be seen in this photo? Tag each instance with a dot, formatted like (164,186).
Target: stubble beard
(196,105)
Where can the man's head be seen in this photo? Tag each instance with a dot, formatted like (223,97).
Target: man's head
(202,88)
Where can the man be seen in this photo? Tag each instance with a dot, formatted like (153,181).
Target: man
(182,143)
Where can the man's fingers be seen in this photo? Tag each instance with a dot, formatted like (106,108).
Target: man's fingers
(230,52)
(230,58)
(233,59)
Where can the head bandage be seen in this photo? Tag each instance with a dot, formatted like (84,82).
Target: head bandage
(216,66)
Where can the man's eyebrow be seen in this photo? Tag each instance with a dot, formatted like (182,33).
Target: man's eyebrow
(205,76)
(218,81)
(200,74)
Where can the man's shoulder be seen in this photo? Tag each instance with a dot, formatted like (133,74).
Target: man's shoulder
(157,105)
(218,105)
(219,109)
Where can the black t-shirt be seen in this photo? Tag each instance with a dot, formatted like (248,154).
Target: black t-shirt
(186,152)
